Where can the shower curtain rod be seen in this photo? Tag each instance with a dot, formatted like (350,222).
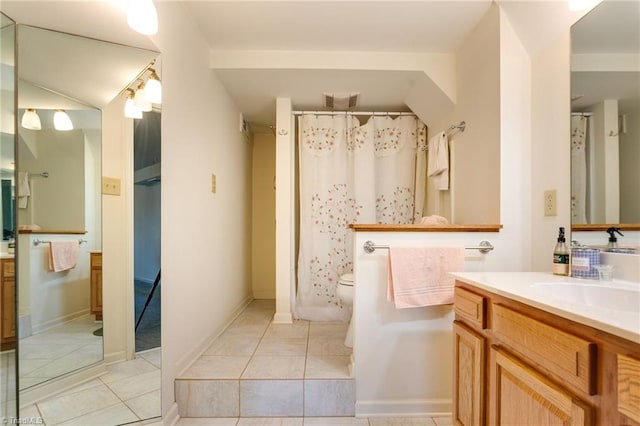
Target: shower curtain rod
(582,114)
(351,113)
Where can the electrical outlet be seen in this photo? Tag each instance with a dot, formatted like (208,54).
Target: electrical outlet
(213,183)
(110,186)
(550,203)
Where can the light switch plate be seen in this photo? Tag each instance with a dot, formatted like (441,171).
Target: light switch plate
(110,186)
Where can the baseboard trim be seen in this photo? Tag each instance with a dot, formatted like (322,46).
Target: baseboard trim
(192,356)
(404,408)
(115,357)
(171,417)
(43,326)
(286,318)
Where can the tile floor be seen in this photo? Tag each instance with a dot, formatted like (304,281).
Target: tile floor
(7,384)
(305,364)
(128,393)
(59,350)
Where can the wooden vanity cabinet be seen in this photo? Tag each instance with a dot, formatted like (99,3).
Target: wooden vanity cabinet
(8,304)
(96,285)
(524,366)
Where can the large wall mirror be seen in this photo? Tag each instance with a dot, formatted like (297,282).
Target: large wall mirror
(8,400)
(605,122)
(58,198)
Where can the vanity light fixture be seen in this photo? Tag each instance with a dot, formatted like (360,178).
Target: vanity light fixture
(130,109)
(31,120)
(142,16)
(140,100)
(153,88)
(61,121)
(576,5)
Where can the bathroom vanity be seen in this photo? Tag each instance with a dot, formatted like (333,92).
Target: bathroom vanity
(533,348)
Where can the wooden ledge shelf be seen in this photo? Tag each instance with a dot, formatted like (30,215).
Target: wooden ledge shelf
(50,232)
(605,226)
(377,227)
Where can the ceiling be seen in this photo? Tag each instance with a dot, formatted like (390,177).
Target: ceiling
(349,26)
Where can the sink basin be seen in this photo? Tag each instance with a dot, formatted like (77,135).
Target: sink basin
(601,296)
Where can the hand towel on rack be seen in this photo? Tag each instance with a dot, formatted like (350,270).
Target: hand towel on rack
(23,189)
(63,255)
(438,161)
(419,276)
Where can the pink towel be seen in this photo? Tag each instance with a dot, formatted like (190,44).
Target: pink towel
(63,255)
(419,276)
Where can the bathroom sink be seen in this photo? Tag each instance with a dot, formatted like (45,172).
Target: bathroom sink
(597,295)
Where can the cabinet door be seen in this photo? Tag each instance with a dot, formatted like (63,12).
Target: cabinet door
(8,310)
(96,293)
(521,396)
(468,376)
(629,388)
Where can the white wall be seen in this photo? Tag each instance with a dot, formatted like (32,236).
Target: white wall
(550,147)
(475,154)
(205,236)
(263,229)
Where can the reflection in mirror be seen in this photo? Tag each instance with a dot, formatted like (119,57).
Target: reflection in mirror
(8,400)
(59,202)
(605,122)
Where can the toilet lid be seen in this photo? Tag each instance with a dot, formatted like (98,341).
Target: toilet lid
(346,279)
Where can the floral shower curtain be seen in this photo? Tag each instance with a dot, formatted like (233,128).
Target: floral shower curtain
(578,169)
(351,174)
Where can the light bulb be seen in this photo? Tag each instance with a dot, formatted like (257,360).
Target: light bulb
(576,5)
(142,16)
(153,88)
(141,101)
(31,120)
(61,121)
(130,109)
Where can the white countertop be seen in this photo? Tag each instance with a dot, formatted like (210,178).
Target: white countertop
(518,286)
(4,255)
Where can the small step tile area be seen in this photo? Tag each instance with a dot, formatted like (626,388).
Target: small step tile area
(318,421)
(260,369)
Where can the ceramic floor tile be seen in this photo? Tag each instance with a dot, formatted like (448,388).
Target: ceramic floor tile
(282,346)
(275,367)
(338,329)
(250,330)
(270,421)
(327,367)
(217,367)
(67,407)
(329,397)
(153,356)
(60,366)
(233,345)
(401,421)
(335,421)
(123,370)
(135,386)
(299,329)
(271,398)
(328,345)
(145,406)
(113,415)
(207,398)
(268,304)
(212,421)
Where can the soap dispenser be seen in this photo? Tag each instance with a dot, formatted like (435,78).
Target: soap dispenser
(613,241)
(561,255)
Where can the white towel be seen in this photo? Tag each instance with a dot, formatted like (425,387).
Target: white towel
(63,255)
(23,189)
(438,164)
(419,276)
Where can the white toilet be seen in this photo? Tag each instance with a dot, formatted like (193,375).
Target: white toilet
(345,293)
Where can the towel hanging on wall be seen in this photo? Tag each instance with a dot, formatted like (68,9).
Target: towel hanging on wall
(63,255)
(438,162)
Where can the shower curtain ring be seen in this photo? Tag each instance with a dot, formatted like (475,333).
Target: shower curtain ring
(282,132)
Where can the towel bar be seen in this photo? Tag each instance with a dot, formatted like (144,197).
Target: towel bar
(38,241)
(483,247)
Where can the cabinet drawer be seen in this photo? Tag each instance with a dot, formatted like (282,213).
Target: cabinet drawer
(570,358)
(8,268)
(629,387)
(470,307)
